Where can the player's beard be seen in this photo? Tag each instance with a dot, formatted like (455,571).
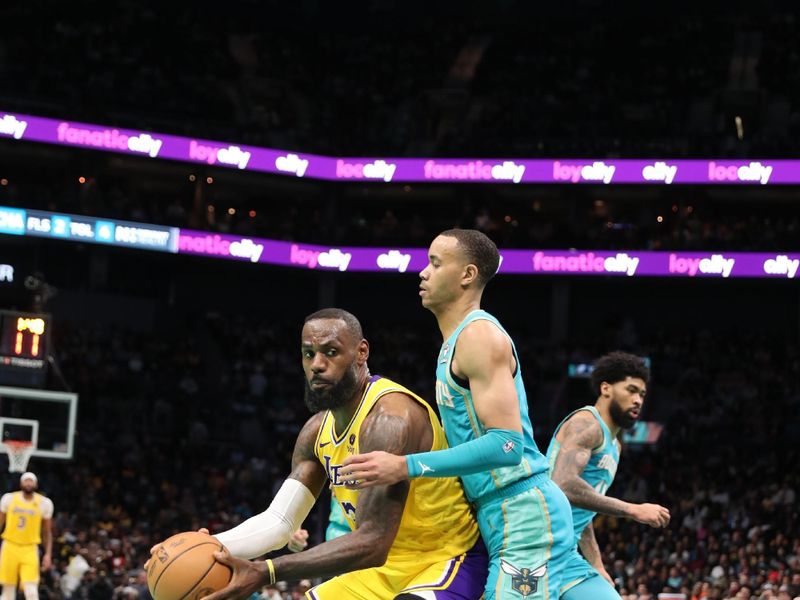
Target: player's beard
(621,417)
(335,395)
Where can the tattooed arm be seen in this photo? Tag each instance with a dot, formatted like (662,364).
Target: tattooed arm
(273,528)
(591,552)
(396,424)
(580,435)
(399,425)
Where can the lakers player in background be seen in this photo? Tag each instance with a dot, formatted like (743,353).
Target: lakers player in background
(27,516)
(414,540)
(584,454)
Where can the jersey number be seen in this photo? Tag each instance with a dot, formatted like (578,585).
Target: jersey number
(443,395)
(21,523)
(601,488)
(349,509)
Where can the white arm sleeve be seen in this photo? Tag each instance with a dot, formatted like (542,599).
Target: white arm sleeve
(47,508)
(272,528)
(5,501)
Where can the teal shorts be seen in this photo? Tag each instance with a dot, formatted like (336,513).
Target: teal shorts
(529,537)
(581,581)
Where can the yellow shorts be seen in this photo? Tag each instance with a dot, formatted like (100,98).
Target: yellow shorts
(19,563)
(459,578)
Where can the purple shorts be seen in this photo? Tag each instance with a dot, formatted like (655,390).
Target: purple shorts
(460,578)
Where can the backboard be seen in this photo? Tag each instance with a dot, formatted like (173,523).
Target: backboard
(43,417)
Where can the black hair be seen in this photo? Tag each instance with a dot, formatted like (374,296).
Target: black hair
(480,251)
(353,325)
(617,366)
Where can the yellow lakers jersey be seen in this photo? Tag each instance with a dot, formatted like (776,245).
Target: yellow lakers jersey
(24,517)
(436,519)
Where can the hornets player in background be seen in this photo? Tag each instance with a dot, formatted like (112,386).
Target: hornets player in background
(406,541)
(337,527)
(27,516)
(584,454)
(524,518)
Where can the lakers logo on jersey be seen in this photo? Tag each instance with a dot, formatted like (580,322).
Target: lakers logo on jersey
(332,470)
(451,534)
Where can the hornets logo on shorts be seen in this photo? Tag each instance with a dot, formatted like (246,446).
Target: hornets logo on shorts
(525,581)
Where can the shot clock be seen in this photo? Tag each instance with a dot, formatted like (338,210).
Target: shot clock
(24,347)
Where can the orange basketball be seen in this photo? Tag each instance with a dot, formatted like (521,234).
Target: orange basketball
(183,568)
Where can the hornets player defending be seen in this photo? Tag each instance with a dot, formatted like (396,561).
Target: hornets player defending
(584,454)
(524,518)
(405,541)
(27,516)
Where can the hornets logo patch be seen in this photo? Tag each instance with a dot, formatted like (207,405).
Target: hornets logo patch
(525,581)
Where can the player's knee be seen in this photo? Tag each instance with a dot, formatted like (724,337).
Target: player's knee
(31,591)
(9,592)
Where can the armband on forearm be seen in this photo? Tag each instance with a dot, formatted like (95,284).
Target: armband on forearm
(496,448)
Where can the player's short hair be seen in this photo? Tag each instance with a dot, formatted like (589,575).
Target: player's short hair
(350,320)
(617,366)
(480,251)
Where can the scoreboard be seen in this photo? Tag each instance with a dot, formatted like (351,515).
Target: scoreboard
(24,347)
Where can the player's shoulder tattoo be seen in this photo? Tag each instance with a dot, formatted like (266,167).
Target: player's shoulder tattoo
(583,430)
(391,424)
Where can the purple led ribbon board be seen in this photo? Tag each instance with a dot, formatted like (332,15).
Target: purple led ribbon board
(627,263)
(307,256)
(522,262)
(16,126)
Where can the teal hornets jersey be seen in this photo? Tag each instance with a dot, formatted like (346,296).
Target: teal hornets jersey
(461,422)
(599,472)
(337,523)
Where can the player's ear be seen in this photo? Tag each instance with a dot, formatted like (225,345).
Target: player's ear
(605,389)
(362,354)
(470,275)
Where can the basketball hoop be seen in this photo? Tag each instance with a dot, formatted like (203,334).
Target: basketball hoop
(19,453)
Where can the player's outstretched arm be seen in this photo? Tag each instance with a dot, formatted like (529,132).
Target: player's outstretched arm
(484,357)
(581,435)
(396,425)
(591,552)
(273,528)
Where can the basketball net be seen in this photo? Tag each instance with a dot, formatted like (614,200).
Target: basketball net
(19,453)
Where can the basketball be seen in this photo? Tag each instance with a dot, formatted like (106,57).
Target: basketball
(183,567)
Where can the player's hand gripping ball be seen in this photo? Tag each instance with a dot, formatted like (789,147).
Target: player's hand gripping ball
(183,567)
